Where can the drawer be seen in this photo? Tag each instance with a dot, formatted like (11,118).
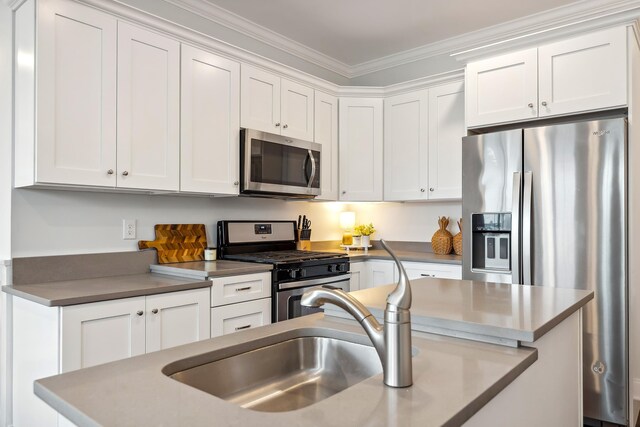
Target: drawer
(234,289)
(238,317)
(419,270)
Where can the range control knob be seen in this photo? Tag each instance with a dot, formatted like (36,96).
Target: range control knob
(332,268)
(341,267)
(294,274)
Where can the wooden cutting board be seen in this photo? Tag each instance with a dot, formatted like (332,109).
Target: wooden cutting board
(177,242)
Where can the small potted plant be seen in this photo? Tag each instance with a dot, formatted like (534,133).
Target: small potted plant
(365,231)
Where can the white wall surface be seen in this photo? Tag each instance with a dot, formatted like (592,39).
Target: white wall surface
(6,108)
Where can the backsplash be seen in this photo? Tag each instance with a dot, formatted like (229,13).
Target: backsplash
(49,222)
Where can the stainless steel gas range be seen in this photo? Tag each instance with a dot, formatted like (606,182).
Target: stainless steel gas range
(294,272)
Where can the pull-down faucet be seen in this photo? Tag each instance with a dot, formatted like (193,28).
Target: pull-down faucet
(393,342)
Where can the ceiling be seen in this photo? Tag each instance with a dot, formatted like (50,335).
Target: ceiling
(354,32)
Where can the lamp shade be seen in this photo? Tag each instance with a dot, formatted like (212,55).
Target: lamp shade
(347,220)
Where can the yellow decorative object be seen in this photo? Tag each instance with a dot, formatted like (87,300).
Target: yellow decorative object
(347,221)
(457,240)
(442,240)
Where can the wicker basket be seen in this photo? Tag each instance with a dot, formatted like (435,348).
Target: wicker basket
(442,241)
(457,240)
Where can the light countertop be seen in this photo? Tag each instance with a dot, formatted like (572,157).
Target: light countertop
(204,269)
(134,392)
(501,313)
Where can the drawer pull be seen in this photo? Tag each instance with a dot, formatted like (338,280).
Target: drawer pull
(428,275)
(239,328)
(246,288)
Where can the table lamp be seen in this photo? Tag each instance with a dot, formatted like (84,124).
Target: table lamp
(347,222)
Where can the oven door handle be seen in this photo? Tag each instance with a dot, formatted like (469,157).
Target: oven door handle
(314,282)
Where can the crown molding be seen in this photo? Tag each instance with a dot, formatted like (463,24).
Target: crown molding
(249,28)
(400,88)
(558,22)
(562,22)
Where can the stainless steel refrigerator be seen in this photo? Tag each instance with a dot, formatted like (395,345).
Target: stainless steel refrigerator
(547,206)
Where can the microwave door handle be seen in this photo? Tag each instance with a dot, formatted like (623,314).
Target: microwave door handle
(313,168)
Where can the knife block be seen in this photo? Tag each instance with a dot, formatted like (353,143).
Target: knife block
(304,240)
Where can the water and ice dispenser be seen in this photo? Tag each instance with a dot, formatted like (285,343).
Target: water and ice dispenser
(491,242)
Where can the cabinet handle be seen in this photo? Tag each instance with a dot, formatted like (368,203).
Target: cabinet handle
(432,189)
(110,172)
(140,312)
(530,105)
(344,192)
(239,328)
(246,288)
(125,173)
(544,103)
(428,275)
(284,126)
(278,124)
(422,190)
(236,183)
(154,311)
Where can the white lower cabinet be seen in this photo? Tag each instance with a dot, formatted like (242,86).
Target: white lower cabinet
(55,340)
(240,302)
(419,270)
(238,317)
(357,270)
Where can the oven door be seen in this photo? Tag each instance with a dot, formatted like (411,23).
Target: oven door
(274,164)
(287,303)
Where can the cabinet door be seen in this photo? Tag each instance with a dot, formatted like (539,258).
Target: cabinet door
(210,123)
(358,274)
(239,317)
(148,110)
(259,100)
(585,73)
(446,129)
(377,273)
(177,318)
(502,89)
(405,146)
(296,110)
(326,134)
(360,130)
(101,332)
(76,104)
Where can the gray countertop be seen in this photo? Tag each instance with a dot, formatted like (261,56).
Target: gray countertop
(134,392)
(169,278)
(208,269)
(501,313)
(83,291)
(413,256)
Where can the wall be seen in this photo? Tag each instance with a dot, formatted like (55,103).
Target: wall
(49,222)
(6,120)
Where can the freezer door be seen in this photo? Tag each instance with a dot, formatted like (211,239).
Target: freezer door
(491,163)
(578,240)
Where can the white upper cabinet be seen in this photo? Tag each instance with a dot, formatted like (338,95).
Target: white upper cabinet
(423,133)
(326,134)
(446,129)
(259,100)
(296,110)
(502,89)
(75,102)
(148,110)
(210,123)
(271,104)
(578,75)
(406,146)
(585,73)
(360,130)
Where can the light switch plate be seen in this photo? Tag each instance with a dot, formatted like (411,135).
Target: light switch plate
(128,229)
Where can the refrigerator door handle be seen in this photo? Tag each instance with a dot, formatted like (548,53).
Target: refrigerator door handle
(516,200)
(527,206)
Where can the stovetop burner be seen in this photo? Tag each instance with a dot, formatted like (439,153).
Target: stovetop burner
(277,257)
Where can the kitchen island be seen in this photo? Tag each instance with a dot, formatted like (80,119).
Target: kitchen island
(456,381)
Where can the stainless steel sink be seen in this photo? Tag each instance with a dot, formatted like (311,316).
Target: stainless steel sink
(285,376)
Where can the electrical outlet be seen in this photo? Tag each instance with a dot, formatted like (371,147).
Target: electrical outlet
(128,229)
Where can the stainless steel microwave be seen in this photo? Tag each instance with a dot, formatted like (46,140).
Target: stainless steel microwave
(276,165)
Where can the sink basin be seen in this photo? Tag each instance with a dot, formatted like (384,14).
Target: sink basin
(285,376)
